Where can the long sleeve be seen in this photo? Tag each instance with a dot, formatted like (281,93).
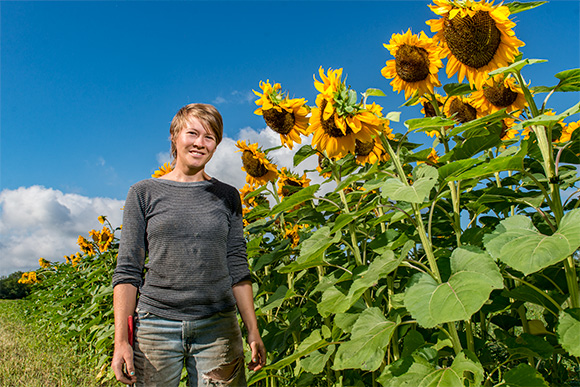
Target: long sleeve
(133,245)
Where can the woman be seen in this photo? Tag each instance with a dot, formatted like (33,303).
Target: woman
(189,226)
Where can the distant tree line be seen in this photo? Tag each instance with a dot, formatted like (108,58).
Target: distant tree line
(11,289)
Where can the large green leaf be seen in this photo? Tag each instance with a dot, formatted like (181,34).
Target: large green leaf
(516,6)
(312,250)
(569,80)
(518,243)
(508,163)
(474,275)
(568,329)
(426,178)
(515,67)
(415,371)
(366,348)
(524,376)
(429,123)
(297,198)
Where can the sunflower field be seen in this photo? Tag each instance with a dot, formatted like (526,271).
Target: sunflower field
(454,264)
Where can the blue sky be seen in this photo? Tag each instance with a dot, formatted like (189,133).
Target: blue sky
(88,90)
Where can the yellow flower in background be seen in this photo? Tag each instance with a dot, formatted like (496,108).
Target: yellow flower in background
(288,179)
(103,238)
(85,246)
(75,259)
(504,93)
(338,120)
(43,263)
(102,219)
(461,109)
(28,278)
(567,131)
(416,64)
(507,133)
(285,116)
(476,37)
(323,166)
(433,157)
(291,233)
(259,170)
(163,170)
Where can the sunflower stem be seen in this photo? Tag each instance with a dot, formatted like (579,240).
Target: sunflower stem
(351,229)
(427,246)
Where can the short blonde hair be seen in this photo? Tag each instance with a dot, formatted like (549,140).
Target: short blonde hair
(209,116)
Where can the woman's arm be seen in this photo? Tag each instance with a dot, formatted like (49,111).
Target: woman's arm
(245,300)
(124,302)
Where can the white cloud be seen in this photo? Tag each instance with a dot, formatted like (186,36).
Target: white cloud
(42,222)
(219,100)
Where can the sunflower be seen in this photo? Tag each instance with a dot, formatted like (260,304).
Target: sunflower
(285,116)
(502,94)
(476,37)
(567,130)
(330,83)
(163,170)
(338,120)
(43,263)
(417,61)
(103,239)
(291,232)
(370,152)
(259,170)
(506,132)
(288,179)
(85,246)
(323,166)
(462,108)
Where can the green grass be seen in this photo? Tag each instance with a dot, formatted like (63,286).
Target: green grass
(32,356)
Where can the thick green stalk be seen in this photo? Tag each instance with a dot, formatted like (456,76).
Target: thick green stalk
(416,210)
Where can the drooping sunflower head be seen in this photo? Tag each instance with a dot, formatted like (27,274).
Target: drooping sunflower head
(285,116)
(476,37)
(85,246)
(43,263)
(461,108)
(259,170)
(163,170)
(416,64)
(291,233)
(502,94)
(370,152)
(289,182)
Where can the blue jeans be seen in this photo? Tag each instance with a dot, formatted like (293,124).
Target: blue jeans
(211,350)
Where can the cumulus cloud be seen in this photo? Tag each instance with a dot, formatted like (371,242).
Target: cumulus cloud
(43,222)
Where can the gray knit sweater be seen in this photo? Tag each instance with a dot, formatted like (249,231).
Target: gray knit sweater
(193,235)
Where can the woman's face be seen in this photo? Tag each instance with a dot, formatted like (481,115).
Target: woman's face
(195,146)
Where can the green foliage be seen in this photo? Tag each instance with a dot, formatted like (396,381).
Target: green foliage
(11,289)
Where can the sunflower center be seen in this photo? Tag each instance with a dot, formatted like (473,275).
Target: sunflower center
(363,148)
(252,166)
(500,96)
(412,63)
(281,122)
(465,112)
(472,40)
(329,125)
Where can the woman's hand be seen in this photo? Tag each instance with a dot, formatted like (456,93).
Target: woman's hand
(258,352)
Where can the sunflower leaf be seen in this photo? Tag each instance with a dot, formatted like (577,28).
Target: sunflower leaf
(424,124)
(374,93)
(524,376)
(520,245)
(516,67)
(297,198)
(366,348)
(395,189)
(303,153)
(546,120)
(516,6)
(568,328)
(453,89)
(474,275)
(569,80)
